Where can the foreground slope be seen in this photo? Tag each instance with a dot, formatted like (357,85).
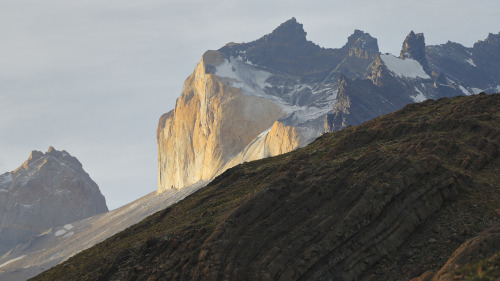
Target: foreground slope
(389,199)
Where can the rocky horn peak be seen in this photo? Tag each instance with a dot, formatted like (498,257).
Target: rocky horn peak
(414,48)
(289,31)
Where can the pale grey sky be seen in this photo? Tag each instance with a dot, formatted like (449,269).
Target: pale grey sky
(93,77)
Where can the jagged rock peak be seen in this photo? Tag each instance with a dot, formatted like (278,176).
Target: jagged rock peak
(342,81)
(288,31)
(413,46)
(492,39)
(52,152)
(362,40)
(35,155)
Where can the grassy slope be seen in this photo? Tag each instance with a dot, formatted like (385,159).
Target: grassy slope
(266,205)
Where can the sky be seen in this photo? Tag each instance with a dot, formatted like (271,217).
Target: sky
(92,77)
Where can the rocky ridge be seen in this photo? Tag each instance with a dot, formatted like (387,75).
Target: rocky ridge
(390,199)
(284,84)
(47,190)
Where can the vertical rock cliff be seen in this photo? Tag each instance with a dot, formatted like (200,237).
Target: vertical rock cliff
(245,102)
(211,123)
(49,189)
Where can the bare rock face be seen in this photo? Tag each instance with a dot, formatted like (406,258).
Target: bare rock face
(48,190)
(211,123)
(277,140)
(414,48)
(245,102)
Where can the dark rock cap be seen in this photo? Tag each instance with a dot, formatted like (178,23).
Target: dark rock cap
(413,46)
(289,31)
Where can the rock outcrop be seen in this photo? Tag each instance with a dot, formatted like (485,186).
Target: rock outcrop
(49,189)
(236,97)
(212,122)
(414,48)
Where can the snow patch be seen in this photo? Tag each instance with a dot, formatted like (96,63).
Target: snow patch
(464,90)
(241,75)
(60,232)
(498,88)
(476,90)
(420,97)
(68,227)
(404,68)
(68,234)
(471,62)
(5,179)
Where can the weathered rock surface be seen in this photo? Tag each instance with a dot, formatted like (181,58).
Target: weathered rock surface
(234,96)
(48,190)
(414,48)
(237,94)
(351,202)
(211,123)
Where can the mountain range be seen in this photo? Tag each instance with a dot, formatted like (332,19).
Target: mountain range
(248,101)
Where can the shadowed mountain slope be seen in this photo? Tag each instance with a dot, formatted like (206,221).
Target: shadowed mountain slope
(387,200)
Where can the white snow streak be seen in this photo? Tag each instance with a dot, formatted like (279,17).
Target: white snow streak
(5,179)
(11,261)
(249,79)
(471,62)
(464,90)
(420,97)
(60,232)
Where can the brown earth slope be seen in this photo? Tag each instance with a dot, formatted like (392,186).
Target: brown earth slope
(387,200)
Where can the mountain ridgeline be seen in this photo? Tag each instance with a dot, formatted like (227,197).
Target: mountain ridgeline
(390,199)
(247,101)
